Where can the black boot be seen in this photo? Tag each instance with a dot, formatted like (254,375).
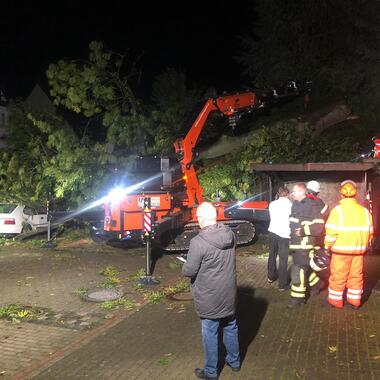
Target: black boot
(295,302)
(317,288)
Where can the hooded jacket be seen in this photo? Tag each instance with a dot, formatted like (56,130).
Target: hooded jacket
(211,265)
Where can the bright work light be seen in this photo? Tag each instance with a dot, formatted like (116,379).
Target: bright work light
(116,195)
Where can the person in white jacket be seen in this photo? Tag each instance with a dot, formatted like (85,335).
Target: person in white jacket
(279,236)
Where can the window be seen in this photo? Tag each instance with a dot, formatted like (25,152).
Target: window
(28,211)
(6,208)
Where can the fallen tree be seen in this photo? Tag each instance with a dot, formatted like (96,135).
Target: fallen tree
(318,122)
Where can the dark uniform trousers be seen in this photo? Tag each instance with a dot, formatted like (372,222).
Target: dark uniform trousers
(303,277)
(305,216)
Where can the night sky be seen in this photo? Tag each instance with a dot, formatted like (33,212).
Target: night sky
(199,37)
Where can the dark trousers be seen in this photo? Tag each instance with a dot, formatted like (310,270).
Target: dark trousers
(303,277)
(278,246)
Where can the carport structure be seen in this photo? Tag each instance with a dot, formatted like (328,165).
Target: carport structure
(330,174)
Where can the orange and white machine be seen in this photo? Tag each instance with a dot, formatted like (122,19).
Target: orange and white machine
(173,186)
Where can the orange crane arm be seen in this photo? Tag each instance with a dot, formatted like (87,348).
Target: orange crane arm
(184,147)
(227,105)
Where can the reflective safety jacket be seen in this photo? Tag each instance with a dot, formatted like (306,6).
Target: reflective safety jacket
(305,215)
(349,228)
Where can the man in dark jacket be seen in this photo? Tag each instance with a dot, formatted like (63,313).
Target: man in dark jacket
(212,268)
(313,190)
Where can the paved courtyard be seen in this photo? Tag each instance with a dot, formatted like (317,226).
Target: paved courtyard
(75,339)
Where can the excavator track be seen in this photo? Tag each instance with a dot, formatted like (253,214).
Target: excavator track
(244,231)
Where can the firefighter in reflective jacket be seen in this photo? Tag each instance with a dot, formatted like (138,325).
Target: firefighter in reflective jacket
(306,225)
(313,190)
(349,232)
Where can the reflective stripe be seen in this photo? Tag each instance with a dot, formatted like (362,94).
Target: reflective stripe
(312,276)
(299,246)
(302,277)
(314,281)
(324,209)
(340,214)
(294,220)
(350,228)
(298,289)
(354,297)
(335,292)
(355,291)
(330,238)
(318,221)
(335,297)
(307,229)
(345,248)
(297,295)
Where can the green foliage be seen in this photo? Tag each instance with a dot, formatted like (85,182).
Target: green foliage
(182,286)
(100,88)
(80,292)
(109,271)
(137,275)
(16,313)
(46,156)
(112,279)
(29,243)
(76,232)
(110,283)
(119,303)
(333,43)
(159,295)
(172,101)
(163,361)
(229,176)
(281,143)
(155,296)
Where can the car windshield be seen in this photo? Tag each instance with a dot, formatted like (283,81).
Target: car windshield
(6,208)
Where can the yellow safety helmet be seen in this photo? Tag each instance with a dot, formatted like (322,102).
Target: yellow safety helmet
(348,188)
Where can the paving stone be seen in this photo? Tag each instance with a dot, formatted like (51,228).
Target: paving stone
(163,341)
(308,343)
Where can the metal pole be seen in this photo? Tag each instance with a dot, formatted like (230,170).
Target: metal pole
(148,279)
(48,244)
(148,254)
(270,188)
(48,231)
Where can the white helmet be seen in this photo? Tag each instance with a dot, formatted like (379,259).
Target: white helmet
(314,186)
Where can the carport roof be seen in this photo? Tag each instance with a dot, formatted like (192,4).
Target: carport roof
(317,167)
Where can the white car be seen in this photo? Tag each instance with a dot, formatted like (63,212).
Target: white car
(16,219)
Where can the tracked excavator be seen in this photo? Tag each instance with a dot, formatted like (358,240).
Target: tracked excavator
(172,185)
